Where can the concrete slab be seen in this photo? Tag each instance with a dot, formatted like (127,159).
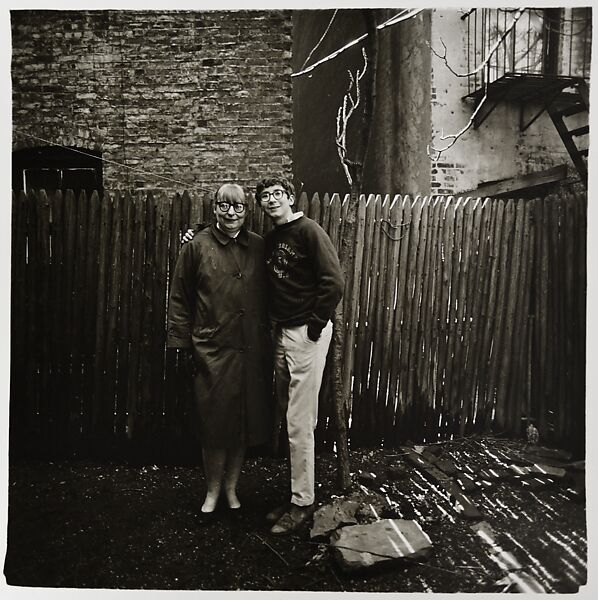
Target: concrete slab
(331,516)
(360,546)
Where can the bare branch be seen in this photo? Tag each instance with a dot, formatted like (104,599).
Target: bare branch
(402,16)
(491,52)
(321,39)
(453,137)
(398,18)
(331,56)
(466,13)
(345,111)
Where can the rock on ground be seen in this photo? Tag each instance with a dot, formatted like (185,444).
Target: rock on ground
(359,546)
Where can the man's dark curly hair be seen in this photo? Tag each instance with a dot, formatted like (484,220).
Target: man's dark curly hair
(288,186)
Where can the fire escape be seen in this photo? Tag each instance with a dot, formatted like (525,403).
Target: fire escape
(542,64)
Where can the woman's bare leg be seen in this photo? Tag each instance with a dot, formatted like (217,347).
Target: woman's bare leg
(213,464)
(234,462)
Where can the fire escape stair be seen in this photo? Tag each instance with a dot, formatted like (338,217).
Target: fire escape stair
(560,96)
(577,102)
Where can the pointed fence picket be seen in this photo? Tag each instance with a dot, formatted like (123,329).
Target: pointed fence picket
(468,316)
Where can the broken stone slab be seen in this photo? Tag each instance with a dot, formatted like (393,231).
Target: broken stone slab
(372,509)
(461,503)
(331,516)
(468,483)
(424,465)
(498,474)
(464,508)
(370,479)
(485,531)
(520,470)
(511,456)
(538,469)
(447,466)
(471,469)
(425,453)
(396,472)
(433,448)
(504,559)
(360,546)
(542,469)
(535,483)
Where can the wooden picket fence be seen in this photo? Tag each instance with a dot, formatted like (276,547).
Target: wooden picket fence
(470,317)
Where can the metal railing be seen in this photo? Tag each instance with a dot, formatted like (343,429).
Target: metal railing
(543,41)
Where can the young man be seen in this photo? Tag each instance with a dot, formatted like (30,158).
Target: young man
(305,285)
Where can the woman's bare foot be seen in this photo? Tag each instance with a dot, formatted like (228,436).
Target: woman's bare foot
(232,499)
(209,504)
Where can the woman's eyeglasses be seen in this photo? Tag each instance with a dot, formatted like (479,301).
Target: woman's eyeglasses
(239,207)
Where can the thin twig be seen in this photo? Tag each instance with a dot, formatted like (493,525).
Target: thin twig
(491,52)
(392,21)
(320,40)
(421,564)
(453,137)
(273,550)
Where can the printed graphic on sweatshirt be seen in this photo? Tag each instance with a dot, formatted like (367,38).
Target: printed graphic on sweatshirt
(280,258)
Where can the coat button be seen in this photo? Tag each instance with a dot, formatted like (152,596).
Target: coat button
(242,311)
(238,275)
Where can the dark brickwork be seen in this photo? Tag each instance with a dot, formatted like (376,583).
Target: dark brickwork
(196,96)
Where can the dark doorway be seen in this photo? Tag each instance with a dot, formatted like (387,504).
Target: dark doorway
(57,168)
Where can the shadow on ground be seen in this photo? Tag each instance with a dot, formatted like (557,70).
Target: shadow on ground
(89,525)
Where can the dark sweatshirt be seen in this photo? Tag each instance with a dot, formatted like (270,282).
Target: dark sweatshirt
(306,281)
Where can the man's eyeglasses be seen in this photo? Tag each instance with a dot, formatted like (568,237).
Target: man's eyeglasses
(276,194)
(239,207)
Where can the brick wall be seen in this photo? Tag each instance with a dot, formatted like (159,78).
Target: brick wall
(195,96)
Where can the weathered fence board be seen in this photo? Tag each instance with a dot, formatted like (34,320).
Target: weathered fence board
(411,397)
(398,368)
(124,317)
(468,315)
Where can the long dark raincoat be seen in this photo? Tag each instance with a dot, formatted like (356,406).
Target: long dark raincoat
(218,308)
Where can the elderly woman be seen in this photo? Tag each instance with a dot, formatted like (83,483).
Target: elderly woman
(217,309)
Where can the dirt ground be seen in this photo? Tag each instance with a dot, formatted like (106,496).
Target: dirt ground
(89,525)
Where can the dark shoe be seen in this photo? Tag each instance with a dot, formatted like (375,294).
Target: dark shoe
(276,513)
(206,518)
(235,513)
(293,519)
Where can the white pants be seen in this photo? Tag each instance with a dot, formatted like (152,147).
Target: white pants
(299,366)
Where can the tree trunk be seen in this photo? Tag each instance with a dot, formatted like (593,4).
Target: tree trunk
(341,369)
(344,316)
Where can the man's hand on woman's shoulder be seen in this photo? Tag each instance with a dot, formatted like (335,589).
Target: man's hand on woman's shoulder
(190,233)
(187,236)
